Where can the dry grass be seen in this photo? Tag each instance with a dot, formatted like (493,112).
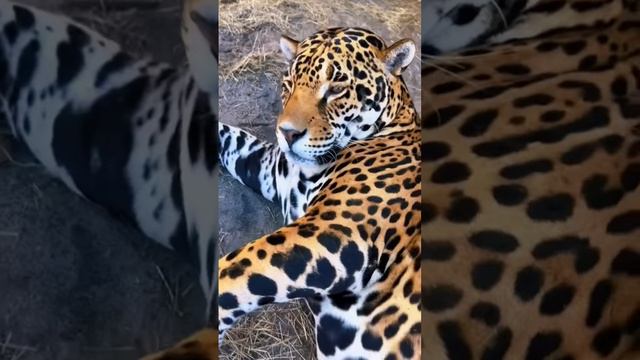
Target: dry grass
(397,16)
(247,19)
(5,149)
(253,63)
(11,351)
(241,17)
(120,20)
(175,293)
(120,26)
(275,332)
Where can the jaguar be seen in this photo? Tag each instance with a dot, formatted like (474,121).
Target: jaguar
(135,136)
(346,172)
(531,167)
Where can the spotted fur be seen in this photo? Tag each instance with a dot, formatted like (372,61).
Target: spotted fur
(531,204)
(346,172)
(132,135)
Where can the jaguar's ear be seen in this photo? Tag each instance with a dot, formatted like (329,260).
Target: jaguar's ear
(208,29)
(399,55)
(200,37)
(289,47)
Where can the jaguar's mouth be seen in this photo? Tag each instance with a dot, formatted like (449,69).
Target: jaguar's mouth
(327,158)
(292,156)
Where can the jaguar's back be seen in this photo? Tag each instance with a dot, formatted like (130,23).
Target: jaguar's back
(531,206)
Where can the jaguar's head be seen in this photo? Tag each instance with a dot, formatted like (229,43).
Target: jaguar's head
(339,84)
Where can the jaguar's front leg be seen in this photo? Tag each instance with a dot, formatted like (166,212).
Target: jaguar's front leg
(306,259)
(265,169)
(251,161)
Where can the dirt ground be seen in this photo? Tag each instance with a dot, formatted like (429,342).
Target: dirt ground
(250,69)
(75,283)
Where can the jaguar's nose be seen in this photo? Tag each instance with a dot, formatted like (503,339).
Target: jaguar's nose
(292,135)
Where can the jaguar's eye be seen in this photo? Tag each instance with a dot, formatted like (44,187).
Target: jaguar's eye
(336,89)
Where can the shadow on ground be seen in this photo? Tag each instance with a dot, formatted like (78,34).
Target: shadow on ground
(76,283)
